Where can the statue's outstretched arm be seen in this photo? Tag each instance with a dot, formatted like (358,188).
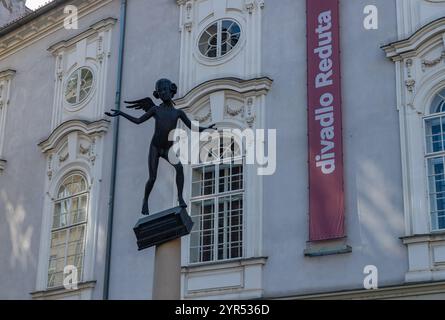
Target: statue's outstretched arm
(188,123)
(140,120)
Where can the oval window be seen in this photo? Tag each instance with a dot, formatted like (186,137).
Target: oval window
(219,38)
(78,86)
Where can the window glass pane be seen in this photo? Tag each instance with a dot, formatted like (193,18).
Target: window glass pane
(56,218)
(235,29)
(71,88)
(230,211)
(86,83)
(209,41)
(62,193)
(226,25)
(67,243)
(436,185)
(435,134)
(203,181)
(75,246)
(79,85)
(438,103)
(78,209)
(63,217)
(202,235)
(71,186)
(57,258)
(230,36)
(217,236)
(230,177)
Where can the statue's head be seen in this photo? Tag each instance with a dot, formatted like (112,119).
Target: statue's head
(165,90)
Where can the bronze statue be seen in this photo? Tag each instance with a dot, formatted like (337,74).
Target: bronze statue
(166,117)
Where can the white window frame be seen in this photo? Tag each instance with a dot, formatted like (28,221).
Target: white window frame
(219,24)
(68,228)
(429,156)
(238,160)
(78,101)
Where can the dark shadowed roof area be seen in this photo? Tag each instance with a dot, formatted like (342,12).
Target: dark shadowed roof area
(29,16)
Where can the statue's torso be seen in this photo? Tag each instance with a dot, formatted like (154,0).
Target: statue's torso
(166,120)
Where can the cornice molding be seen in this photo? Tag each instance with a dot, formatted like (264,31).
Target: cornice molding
(61,291)
(86,127)
(389,292)
(252,87)
(100,26)
(43,25)
(398,50)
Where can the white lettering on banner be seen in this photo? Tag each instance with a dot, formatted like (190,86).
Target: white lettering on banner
(325,112)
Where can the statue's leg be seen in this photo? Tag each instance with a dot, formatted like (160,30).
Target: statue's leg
(179,180)
(180,184)
(153,161)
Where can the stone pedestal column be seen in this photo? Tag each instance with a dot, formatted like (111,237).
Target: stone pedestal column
(167,273)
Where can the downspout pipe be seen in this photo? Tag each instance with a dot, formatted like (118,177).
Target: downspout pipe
(117,106)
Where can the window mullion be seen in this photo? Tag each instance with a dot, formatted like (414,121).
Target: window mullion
(68,231)
(219,39)
(224,229)
(216,215)
(201,231)
(78,85)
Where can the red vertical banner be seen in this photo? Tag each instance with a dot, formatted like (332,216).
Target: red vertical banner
(326,196)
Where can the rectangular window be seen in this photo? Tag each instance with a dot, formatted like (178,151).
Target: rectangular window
(217,212)
(68,230)
(436,184)
(435,147)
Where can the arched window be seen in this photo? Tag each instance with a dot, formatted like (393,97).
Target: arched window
(217,202)
(68,228)
(435,157)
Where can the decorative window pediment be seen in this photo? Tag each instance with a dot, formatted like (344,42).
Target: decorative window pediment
(226,100)
(420,61)
(81,73)
(416,43)
(85,127)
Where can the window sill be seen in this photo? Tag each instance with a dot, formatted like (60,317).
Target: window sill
(223,264)
(228,279)
(327,248)
(427,237)
(83,291)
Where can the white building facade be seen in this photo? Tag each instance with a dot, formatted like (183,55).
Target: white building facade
(72,179)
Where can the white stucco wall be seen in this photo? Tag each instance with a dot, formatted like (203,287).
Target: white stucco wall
(373,182)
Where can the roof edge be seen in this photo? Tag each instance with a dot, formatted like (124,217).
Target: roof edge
(8,28)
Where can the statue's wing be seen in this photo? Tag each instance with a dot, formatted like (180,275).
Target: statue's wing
(144,104)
